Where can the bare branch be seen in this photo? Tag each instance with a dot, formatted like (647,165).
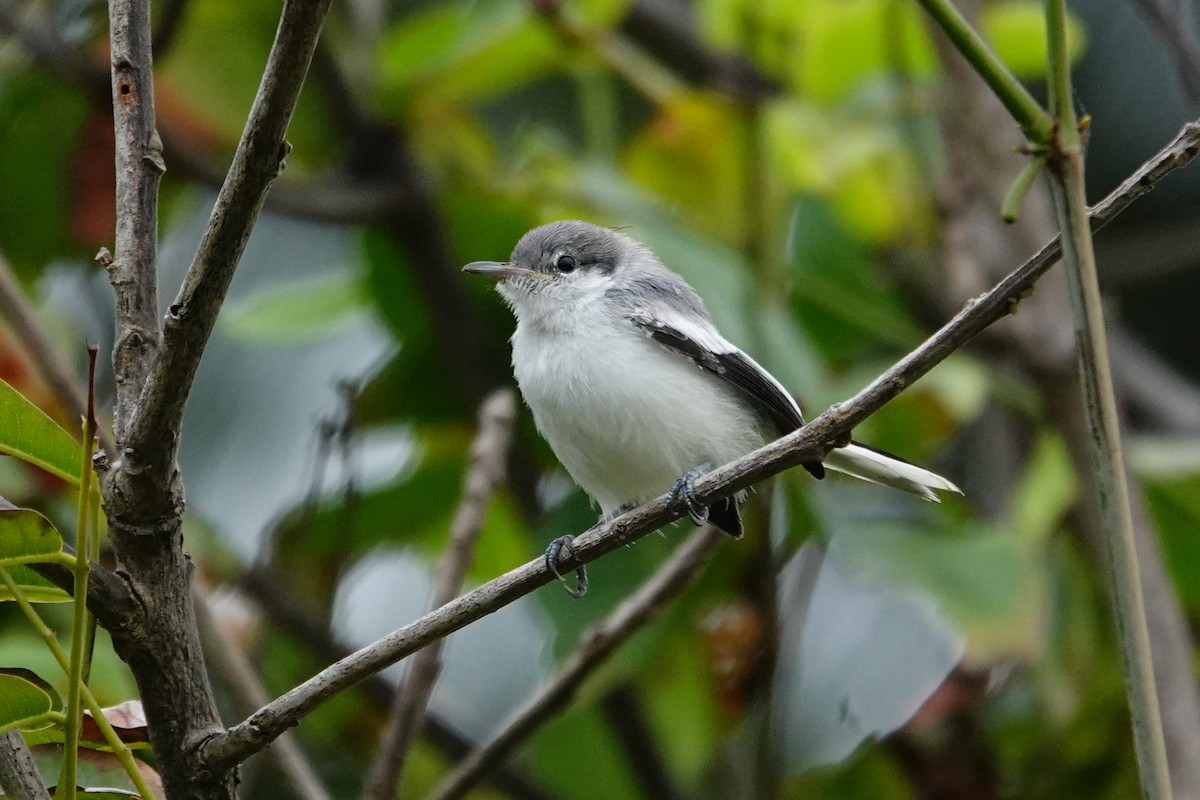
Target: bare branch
(811,441)
(139,168)
(143,493)
(19,776)
(230,662)
(485,472)
(595,646)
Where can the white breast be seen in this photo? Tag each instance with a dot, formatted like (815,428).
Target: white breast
(625,416)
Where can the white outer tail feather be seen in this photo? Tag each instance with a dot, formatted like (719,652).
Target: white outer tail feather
(870,465)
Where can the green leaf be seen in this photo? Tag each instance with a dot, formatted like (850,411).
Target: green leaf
(298,312)
(27,433)
(33,587)
(1175,506)
(28,537)
(25,535)
(101,772)
(24,695)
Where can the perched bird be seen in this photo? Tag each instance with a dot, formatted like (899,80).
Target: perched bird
(632,385)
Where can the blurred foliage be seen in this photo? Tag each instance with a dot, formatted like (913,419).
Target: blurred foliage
(806,217)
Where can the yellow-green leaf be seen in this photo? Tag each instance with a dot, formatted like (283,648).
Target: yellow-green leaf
(24,695)
(25,535)
(27,433)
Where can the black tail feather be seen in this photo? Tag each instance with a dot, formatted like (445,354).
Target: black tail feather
(725,515)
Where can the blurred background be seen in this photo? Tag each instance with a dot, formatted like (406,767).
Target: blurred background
(829,177)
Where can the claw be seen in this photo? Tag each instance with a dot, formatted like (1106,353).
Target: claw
(563,543)
(685,489)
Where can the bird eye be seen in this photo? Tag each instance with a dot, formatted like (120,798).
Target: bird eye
(565,264)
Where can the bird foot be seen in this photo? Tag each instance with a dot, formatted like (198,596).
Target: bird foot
(685,489)
(560,545)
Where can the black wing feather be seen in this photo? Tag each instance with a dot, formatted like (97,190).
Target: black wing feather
(739,372)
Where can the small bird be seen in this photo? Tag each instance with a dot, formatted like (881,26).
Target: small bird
(633,386)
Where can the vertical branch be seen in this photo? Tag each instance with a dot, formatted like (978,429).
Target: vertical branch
(143,492)
(484,474)
(139,163)
(1070,206)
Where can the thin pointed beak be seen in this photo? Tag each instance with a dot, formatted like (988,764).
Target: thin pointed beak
(498,271)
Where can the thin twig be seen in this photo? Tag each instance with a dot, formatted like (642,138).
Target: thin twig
(811,441)
(1070,206)
(19,776)
(596,644)
(485,472)
(229,661)
(139,168)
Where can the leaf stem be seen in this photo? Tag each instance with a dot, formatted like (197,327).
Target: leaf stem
(89,514)
(80,658)
(34,722)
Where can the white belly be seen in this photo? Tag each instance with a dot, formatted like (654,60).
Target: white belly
(601,400)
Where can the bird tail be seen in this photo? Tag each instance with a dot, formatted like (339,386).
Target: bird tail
(868,464)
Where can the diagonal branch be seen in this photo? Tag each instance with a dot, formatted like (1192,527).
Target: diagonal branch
(485,472)
(595,646)
(812,441)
